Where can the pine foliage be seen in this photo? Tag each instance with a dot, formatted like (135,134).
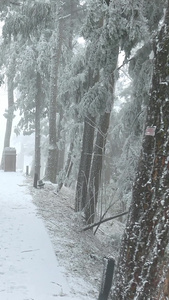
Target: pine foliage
(18,22)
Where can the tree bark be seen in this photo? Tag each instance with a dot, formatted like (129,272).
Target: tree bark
(10,115)
(10,112)
(56,46)
(60,152)
(87,149)
(147,231)
(85,163)
(38,100)
(111,60)
(68,166)
(96,168)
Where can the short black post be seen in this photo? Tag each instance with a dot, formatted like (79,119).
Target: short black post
(107,278)
(27,170)
(35,180)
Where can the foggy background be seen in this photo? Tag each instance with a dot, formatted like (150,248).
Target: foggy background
(23,144)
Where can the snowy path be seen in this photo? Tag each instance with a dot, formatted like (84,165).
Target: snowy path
(28,266)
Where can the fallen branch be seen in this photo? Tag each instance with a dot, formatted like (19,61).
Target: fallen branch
(32,250)
(103,221)
(102,217)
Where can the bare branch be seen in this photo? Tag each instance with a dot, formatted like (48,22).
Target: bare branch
(105,220)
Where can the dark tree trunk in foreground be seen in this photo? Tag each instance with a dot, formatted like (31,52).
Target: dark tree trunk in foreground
(147,231)
(85,163)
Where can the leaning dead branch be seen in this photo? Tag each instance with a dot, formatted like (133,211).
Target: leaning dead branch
(103,221)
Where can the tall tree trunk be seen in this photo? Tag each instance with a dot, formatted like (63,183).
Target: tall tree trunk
(85,163)
(56,46)
(60,150)
(38,106)
(72,7)
(147,231)
(10,113)
(99,150)
(96,168)
(87,150)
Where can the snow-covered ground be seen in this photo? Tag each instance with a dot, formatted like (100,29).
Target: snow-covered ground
(44,255)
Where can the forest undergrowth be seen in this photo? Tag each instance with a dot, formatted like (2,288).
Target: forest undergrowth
(80,252)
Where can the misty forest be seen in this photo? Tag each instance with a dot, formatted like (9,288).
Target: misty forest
(90,82)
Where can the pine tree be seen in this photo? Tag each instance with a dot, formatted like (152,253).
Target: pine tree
(119,25)
(64,35)
(125,134)
(146,234)
(73,11)
(93,100)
